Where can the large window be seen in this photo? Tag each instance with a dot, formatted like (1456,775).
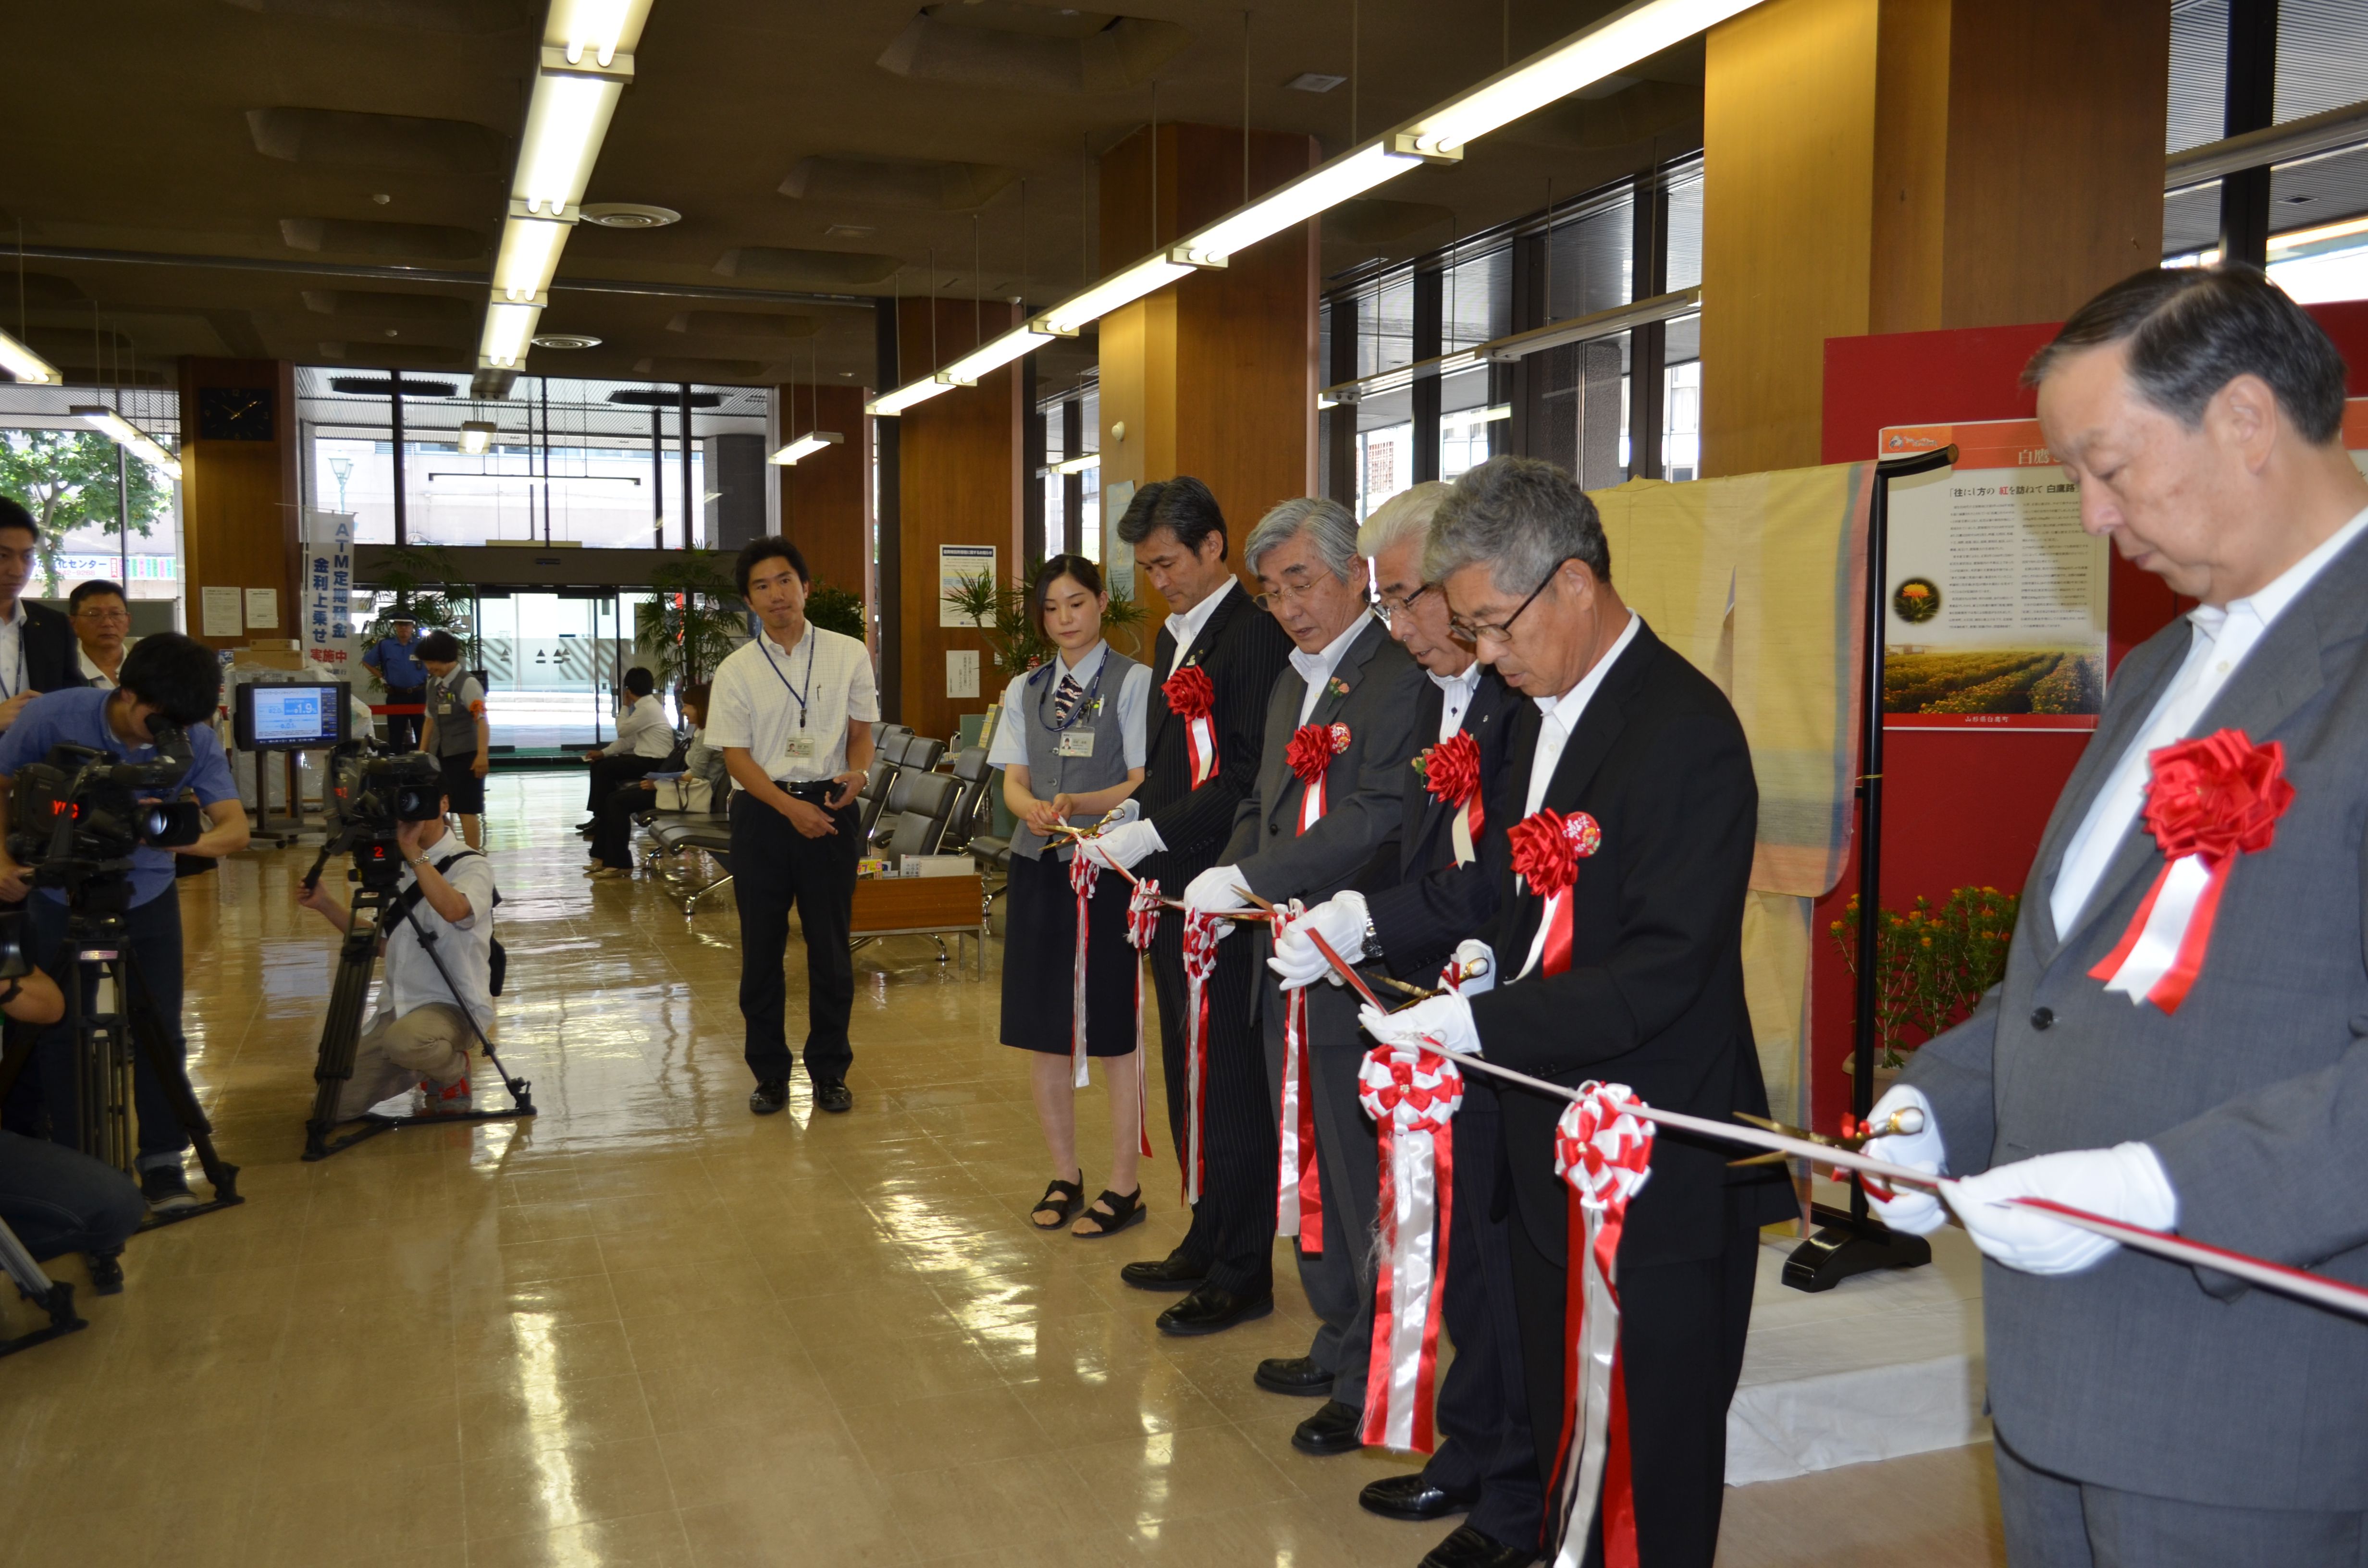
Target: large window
(66,473)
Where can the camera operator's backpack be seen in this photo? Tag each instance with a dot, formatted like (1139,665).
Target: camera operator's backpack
(497,961)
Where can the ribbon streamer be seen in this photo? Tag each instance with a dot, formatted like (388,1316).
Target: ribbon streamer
(1201,936)
(1603,1148)
(1141,926)
(1412,1092)
(1083,874)
(1299,1188)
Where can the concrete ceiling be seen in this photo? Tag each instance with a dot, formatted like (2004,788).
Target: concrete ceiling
(845,147)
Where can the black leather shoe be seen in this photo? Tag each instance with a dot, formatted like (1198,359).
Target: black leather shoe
(834,1098)
(1174,1272)
(1292,1374)
(769,1097)
(1412,1497)
(1467,1548)
(1331,1430)
(1212,1309)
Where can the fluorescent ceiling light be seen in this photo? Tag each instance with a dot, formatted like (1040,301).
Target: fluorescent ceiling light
(509,328)
(602,28)
(566,120)
(1123,288)
(805,445)
(1079,464)
(993,355)
(1313,192)
(476,436)
(27,366)
(889,404)
(1617,41)
(528,256)
(127,435)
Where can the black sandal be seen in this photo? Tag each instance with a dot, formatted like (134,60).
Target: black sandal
(1124,1211)
(1061,1197)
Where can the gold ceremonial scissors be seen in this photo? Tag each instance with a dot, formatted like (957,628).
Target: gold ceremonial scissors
(1906,1122)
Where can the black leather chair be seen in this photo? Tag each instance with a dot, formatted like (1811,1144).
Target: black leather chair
(971,771)
(712,833)
(928,806)
(874,793)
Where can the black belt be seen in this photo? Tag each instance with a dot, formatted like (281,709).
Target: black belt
(813,791)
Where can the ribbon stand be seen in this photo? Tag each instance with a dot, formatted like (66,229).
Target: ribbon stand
(1852,1241)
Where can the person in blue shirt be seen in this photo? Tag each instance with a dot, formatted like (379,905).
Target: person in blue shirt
(165,679)
(394,659)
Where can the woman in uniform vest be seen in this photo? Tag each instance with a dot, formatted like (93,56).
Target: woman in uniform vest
(1070,742)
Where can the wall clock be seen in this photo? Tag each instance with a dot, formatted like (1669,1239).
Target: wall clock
(234,413)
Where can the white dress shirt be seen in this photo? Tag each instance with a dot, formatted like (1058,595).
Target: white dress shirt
(1132,706)
(1455,698)
(755,704)
(12,651)
(2217,646)
(1187,625)
(92,675)
(1316,668)
(1560,716)
(642,730)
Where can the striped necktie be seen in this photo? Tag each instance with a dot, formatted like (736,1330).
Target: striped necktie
(1064,701)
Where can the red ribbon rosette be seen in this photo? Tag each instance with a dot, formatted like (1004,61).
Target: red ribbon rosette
(1193,697)
(1547,848)
(1412,1094)
(2208,800)
(1310,753)
(1603,1148)
(1450,772)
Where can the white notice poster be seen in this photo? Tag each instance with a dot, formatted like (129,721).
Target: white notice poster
(225,615)
(962,671)
(262,610)
(956,564)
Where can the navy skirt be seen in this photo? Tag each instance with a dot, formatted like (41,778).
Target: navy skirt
(1039,952)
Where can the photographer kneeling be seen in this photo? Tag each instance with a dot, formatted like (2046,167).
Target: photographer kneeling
(168,682)
(419,1035)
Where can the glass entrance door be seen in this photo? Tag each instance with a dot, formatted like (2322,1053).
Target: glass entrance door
(552,666)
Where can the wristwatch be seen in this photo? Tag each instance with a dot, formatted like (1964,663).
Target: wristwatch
(1373,938)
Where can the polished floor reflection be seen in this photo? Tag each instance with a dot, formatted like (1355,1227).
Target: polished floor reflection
(646,1327)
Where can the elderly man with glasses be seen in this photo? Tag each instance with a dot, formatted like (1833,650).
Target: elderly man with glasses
(102,622)
(1340,728)
(1634,974)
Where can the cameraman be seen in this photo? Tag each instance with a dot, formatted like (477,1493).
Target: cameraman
(419,1035)
(58,1200)
(166,679)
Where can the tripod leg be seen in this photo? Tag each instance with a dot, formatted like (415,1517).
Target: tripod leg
(341,1030)
(147,1033)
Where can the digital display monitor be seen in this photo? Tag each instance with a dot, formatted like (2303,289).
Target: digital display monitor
(292,716)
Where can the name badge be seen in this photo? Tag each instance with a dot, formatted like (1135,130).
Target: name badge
(1075,742)
(800,748)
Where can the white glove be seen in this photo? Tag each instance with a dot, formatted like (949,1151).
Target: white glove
(2125,1182)
(1123,845)
(1476,961)
(1445,1021)
(1340,920)
(1216,890)
(1912,1209)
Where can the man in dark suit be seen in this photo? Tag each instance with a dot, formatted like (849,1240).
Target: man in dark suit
(1339,731)
(2147,1411)
(1641,983)
(1417,901)
(37,651)
(1199,770)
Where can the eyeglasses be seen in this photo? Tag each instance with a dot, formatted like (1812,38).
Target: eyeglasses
(1388,609)
(1289,593)
(1502,632)
(87,613)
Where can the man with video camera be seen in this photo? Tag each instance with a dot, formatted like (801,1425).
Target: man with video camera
(170,685)
(419,1035)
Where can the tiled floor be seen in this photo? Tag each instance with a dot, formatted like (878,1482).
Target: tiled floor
(647,1328)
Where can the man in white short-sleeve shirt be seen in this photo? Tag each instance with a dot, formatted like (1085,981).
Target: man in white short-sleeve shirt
(791,712)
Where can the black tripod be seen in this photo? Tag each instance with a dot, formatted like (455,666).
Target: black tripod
(375,913)
(55,1297)
(110,1016)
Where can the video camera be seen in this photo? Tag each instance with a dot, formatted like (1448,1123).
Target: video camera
(80,811)
(371,794)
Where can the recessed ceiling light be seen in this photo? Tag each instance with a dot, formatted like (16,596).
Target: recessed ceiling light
(629,215)
(381,199)
(1315,82)
(566,340)
(849,231)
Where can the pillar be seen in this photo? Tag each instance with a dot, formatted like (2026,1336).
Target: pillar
(1899,165)
(821,502)
(241,501)
(958,457)
(1215,375)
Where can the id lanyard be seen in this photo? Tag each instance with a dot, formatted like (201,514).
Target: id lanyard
(764,643)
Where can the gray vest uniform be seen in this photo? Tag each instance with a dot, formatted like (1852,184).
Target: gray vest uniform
(1049,773)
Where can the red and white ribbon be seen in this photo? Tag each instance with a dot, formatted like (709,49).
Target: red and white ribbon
(1547,848)
(1450,772)
(1412,1094)
(1193,697)
(1141,926)
(1201,930)
(1603,1148)
(1310,754)
(1084,871)
(1299,1187)
(2208,800)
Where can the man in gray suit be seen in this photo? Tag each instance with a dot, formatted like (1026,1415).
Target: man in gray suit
(1348,712)
(2148,1412)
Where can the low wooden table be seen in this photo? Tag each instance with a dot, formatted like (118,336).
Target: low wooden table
(922,907)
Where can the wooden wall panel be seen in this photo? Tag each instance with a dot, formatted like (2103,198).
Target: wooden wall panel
(822,498)
(240,500)
(961,486)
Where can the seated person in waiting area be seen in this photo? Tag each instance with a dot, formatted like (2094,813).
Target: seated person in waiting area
(455,733)
(612,824)
(644,739)
(58,1199)
(419,1036)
